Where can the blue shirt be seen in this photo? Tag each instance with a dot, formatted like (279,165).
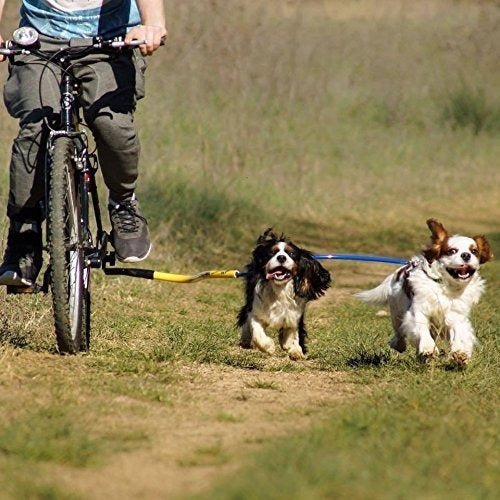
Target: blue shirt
(80,18)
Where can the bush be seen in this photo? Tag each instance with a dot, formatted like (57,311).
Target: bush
(468,107)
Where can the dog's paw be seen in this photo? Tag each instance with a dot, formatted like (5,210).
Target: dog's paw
(246,345)
(398,343)
(427,356)
(267,346)
(427,350)
(296,354)
(459,359)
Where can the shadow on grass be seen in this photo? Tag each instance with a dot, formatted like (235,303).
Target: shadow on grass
(11,335)
(8,337)
(242,362)
(369,359)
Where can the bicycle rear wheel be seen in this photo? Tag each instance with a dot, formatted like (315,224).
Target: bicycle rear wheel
(69,276)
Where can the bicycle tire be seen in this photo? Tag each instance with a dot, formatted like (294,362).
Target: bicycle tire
(69,277)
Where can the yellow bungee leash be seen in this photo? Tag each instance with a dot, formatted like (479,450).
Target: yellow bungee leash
(173,278)
(184,278)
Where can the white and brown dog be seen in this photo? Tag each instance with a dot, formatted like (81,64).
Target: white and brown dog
(433,294)
(280,280)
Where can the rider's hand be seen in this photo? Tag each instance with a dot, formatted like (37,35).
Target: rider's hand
(152,34)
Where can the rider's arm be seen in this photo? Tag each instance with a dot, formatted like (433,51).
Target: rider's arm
(152,28)
(2,3)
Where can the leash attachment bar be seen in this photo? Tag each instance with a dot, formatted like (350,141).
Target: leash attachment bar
(149,274)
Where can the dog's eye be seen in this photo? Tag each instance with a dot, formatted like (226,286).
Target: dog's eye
(292,253)
(451,251)
(474,251)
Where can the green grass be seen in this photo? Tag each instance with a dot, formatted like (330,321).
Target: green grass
(206,456)
(345,125)
(420,431)
(420,438)
(263,384)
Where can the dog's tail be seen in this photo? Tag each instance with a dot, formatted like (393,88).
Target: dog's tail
(379,295)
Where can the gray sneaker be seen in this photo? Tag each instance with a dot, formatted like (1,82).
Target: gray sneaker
(129,235)
(22,260)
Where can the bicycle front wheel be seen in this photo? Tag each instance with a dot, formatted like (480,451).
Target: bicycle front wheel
(69,276)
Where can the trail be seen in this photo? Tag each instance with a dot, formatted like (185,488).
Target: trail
(218,415)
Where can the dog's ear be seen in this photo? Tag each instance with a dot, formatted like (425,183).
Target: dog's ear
(483,246)
(267,236)
(439,233)
(312,279)
(260,254)
(438,237)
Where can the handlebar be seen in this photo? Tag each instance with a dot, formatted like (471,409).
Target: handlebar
(11,48)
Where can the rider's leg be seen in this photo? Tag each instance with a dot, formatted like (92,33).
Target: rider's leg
(111,88)
(109,95)
(23,253)
(22,259)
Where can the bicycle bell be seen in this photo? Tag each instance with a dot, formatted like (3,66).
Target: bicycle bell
(25,36)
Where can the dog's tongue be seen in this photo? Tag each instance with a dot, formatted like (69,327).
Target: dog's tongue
(463,270)
(274,274)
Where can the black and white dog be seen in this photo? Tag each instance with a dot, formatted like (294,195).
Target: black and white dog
(281,279)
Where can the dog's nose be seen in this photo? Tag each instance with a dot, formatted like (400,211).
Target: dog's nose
(281,259)
(466,256)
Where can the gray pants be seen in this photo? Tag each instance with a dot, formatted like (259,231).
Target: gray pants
(111,86)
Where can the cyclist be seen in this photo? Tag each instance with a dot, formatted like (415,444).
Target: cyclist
(111,86)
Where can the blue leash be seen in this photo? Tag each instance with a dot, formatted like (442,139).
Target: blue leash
(359,257)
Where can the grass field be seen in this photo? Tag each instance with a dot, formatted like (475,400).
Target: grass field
(345,125)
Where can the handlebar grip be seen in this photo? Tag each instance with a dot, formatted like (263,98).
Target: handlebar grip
(133,43)
(11,48)
(4,49)
(12,52)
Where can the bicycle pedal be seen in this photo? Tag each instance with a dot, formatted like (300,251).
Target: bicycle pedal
(110,259)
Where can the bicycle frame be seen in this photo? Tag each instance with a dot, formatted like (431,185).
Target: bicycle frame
(69,126)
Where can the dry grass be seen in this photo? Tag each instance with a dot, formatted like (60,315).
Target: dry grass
(307,104)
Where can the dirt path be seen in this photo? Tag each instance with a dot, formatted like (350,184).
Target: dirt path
(218,415)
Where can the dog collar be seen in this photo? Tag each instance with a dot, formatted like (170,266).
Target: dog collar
(436,280)
(421,263)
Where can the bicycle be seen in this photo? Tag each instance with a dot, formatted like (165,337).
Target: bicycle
(71,196)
